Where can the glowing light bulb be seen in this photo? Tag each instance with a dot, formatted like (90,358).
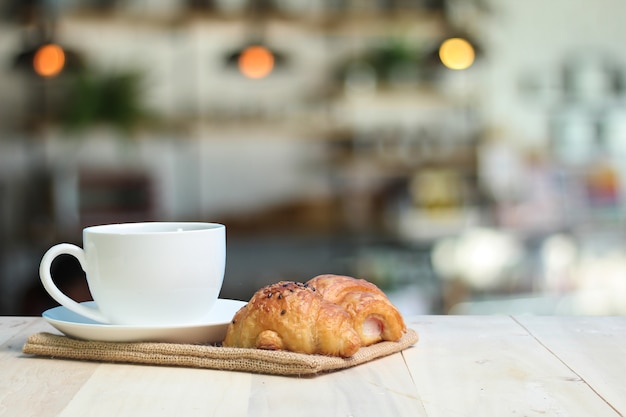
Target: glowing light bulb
(256,62)
(457,53)
(49,60)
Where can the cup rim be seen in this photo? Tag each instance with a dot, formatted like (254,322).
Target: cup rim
(152,228)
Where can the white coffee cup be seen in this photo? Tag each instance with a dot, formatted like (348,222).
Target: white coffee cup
(155,273)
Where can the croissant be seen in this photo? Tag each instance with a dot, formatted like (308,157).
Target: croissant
(293,316)
(374,317)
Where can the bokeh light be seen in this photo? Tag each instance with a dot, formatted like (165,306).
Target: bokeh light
(256,62)
(49,60)
(457,53)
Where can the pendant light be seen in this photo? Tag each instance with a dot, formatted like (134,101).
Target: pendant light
(255,59)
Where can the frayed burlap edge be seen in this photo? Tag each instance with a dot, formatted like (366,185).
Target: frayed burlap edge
(210,357)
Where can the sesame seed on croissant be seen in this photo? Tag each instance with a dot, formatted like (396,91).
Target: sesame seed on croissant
(293,316)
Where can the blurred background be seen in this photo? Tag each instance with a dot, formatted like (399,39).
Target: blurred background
(467,156)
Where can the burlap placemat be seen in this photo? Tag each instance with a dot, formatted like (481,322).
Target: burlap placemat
(211,357)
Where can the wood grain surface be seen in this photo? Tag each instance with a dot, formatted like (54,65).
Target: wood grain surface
(462,366)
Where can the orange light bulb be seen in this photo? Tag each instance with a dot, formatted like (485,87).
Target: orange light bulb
(256,62)
(49,60)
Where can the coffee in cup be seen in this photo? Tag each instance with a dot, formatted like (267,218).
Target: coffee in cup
(154,273)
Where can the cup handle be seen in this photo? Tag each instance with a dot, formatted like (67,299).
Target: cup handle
(53,290)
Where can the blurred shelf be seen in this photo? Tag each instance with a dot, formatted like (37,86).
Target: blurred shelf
(411,105)
(335,118)
(368,22)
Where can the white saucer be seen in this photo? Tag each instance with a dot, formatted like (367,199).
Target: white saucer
(79,327)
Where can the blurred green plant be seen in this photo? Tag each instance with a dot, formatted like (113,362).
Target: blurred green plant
(388,57)
(114,99)
(387,60)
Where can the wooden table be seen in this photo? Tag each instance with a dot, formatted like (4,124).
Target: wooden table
(462,366)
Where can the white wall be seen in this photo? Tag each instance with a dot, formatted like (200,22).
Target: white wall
(534,38)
